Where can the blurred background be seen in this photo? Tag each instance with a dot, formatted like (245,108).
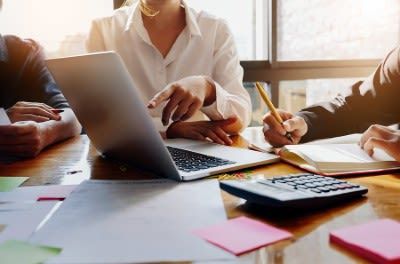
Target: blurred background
(304,51)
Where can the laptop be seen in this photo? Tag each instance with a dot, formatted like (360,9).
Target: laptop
(100,91)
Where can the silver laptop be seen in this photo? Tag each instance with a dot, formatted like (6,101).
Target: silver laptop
(100,90)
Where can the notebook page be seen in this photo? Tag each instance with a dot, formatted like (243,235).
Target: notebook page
(339,153)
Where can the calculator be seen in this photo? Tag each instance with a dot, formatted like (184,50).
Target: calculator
(302,190)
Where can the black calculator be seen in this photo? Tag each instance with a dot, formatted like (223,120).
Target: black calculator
(302,190)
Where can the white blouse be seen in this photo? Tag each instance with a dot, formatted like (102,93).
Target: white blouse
(205,47)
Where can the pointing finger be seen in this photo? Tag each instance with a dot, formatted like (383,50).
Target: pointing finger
(162,96)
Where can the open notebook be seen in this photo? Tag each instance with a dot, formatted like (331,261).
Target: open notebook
(337,159)
(333,156)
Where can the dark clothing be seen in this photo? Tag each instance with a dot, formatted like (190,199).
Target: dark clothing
(24,76)
(373,101)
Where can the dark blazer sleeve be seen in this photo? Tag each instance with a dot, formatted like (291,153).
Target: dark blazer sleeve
(42,85)
(373,101)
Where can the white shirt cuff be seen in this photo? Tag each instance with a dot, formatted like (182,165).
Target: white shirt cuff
(216,111)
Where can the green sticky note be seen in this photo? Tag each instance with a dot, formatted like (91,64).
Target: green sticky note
(19,252)
(10,183)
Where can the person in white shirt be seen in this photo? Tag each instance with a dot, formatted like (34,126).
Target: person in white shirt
(184,63)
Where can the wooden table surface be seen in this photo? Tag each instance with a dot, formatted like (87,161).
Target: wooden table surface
(75,160)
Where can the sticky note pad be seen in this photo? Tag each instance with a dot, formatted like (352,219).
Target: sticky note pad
(242,234)
(378,241)
(10,183)
(15,252)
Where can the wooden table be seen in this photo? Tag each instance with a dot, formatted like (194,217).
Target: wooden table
(75,160)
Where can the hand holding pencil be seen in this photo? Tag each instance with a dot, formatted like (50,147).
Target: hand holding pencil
(281,127)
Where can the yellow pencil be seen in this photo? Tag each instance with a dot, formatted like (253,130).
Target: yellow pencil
(271,107)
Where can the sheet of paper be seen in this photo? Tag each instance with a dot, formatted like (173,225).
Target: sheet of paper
(22,223)
(55,192)
(255,137)
(14,252)
(135,221)
(4,120)
(10,183)
(378,240)
(9,206)
(241,235)
(34,193)
(348,139)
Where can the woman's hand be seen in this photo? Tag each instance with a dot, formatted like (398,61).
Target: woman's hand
(185,97)
(23,139)
(381,137)
(27,111)
(202,130)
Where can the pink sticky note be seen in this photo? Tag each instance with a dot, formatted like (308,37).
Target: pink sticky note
(56,192)
(378,241)
(242,234)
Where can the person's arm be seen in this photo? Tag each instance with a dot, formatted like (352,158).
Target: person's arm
(42,89)
(55,131)
(220,96)
(231,98)
(28,138)
(371,101)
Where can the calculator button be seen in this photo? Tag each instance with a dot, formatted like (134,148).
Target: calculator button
(299,182)
(310,185)
(324,189)
(280,181)
(354,185)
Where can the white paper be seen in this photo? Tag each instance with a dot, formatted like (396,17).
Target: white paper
(20,224)
(348,139)
(4,120)
(135,221)
(33,193)
(344,153)
(256,139)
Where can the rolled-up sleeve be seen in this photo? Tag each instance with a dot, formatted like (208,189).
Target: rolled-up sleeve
(232,98)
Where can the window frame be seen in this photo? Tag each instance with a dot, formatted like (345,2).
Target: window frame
(273,71)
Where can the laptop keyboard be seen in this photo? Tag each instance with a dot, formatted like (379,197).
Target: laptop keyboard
(189,161)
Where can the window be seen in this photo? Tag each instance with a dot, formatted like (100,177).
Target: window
(59,25)
(340,29)
(247,21)
(295,95)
